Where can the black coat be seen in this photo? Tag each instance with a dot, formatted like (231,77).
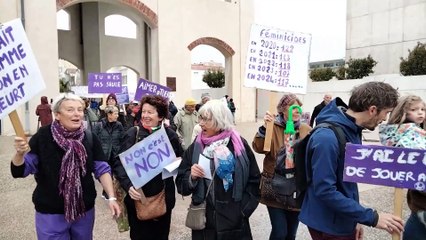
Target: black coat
(46,197)
(149,229)
(226,218)
(110,135)
(316,111)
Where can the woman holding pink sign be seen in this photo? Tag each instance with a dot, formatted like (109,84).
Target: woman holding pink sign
(154,110)
(403,130)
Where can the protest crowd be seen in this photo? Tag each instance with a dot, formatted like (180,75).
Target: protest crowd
(216,168)
(145,153)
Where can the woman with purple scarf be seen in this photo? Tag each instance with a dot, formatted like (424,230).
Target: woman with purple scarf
(63,157)
(232,194)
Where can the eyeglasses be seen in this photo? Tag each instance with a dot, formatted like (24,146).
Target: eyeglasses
(203,119)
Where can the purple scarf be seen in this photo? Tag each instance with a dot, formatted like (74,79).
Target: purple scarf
(242,163)
(73,165)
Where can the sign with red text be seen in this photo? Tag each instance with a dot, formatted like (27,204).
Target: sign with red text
(147,158)
(104,82)
(277,60)
(20,76)
(386,166)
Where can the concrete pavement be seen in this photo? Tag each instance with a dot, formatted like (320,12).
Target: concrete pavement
(17,210)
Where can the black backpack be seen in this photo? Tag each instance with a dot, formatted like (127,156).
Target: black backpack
(302,158)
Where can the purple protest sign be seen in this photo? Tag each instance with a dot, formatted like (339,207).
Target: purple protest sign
(146,87)
(387,166)
(104,82)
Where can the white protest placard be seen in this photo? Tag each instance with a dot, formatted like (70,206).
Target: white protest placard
(147,158)
(277,60)
(205,165)
(20,76)
(83,91)
(171,170)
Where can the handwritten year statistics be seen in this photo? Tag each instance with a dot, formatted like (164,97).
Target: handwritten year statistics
(277,58)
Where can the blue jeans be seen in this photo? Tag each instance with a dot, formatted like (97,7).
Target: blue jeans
(284,224)
(414,229)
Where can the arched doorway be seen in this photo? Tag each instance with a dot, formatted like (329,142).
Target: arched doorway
(222,54)
(92,37)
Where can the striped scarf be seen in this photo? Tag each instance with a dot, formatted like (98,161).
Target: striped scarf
(73,164)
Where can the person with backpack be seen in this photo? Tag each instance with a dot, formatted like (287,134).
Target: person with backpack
(283,215)
(402,130)
(331,208)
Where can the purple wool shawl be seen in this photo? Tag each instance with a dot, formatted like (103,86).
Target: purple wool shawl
(73,166)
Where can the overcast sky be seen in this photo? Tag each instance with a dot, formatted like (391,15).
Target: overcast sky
(325,20)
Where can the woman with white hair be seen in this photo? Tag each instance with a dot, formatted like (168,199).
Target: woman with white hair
(63,158)
(232,194)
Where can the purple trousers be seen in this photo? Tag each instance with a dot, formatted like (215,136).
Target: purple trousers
(55,227)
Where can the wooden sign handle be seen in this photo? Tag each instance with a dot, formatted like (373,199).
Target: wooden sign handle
(19,130)
(397,208)
(270,125)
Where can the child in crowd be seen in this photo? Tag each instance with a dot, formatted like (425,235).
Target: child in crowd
(403,130)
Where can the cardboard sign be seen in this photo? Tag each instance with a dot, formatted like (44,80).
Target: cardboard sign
(104,82)
(147,158)
(20,76)
(387,166)
(146,87)
(277,60)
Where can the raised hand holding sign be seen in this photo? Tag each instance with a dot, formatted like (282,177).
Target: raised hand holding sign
(19,73)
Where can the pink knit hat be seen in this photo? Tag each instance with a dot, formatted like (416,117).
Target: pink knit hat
(286,101)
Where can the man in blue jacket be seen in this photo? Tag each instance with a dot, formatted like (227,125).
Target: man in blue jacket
(331,208)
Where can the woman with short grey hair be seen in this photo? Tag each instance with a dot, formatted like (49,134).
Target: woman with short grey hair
(232,195)
(110,131)
(63,158)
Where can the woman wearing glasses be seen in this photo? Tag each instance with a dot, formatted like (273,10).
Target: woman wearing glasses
(232,194)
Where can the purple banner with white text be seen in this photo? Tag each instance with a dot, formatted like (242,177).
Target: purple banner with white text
(386,166)
(104,82)
(146,87)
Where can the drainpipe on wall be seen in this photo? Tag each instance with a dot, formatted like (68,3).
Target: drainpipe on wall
(27,105)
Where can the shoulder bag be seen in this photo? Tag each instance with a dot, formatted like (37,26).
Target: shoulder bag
(150,207)
(196,217)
